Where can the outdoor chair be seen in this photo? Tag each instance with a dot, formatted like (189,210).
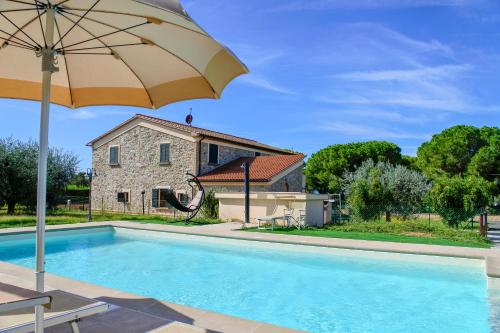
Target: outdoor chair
(301,219)
(17,308)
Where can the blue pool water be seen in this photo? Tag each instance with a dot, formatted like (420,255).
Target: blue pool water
(316,290)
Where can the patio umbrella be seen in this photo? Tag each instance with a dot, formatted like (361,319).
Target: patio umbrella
(144,53)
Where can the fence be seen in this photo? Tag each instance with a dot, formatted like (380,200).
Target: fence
(459,217)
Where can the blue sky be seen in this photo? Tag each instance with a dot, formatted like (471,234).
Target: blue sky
(325,72)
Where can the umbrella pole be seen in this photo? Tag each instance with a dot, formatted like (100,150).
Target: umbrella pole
(48,69)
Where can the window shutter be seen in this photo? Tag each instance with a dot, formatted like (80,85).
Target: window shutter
(154,196)
(164,153)
(213,154)
(113,155)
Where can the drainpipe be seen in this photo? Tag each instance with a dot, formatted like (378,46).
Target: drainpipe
(199,154)
(246,174)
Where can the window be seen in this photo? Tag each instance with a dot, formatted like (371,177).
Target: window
(258,153)
(114,155)
(213,154)
(159,198)
(123,197)
(164,153)
(183,198)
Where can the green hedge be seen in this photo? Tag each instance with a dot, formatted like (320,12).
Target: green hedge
(77,191)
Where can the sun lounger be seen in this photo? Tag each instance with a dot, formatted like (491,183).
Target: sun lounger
(17,312)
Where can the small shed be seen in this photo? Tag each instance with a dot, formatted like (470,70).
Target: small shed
(315,206)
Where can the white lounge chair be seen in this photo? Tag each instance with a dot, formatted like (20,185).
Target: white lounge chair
(17,308)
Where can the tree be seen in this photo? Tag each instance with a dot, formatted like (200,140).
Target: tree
(80,180)
(458,199)
(324,170)
(373,189)
(450,152)
(18,175)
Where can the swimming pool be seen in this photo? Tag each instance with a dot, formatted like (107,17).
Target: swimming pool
(313,289)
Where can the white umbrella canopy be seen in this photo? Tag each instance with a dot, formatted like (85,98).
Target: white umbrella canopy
(112,52)
(145,53)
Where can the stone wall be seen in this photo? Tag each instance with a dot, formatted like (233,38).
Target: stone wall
(140,169)
(295,180)
(226,155)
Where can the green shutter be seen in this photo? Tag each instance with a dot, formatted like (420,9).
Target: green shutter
(113,155)
(154,196)
(164,153)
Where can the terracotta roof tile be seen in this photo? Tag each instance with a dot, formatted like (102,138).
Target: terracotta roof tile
(262,168)
(201,131)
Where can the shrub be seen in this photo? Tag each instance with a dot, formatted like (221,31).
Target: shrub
(210,206)
(458,199)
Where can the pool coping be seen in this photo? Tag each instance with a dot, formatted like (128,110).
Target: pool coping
(230,231)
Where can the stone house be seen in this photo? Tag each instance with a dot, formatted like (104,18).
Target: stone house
(139,159)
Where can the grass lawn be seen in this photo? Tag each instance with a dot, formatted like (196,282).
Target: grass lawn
(73,217)
(414,231)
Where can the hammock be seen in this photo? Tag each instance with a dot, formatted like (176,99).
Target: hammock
(194,206)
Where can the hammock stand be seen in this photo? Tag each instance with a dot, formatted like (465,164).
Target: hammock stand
(194,206)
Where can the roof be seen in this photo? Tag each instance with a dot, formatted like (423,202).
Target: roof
(195,131)
(262,168)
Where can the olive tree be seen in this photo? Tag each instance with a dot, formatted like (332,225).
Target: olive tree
(19,169)
(382,187)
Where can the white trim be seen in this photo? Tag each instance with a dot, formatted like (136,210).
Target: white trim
(109,155)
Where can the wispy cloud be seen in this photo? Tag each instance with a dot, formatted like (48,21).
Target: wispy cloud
(263,83)
(372,4)
(91,113)
(381,115)
(394,70)
(365,132)
(418,74)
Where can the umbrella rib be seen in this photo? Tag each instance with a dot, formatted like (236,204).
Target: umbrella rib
(105,35)
(16,10)
(65,65)
(87,53)
(161,48)
(112,53)
(101,47)
(21,29)
(41,24)
(22,2)
(134,15)
(20,46)
(76,23)
(24,26)
(8,42)
(10,36)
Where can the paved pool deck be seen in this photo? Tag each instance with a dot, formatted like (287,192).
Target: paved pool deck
(157,312)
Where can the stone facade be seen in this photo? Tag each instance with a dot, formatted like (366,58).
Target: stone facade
(140,169)
(293,182)
(226,155)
